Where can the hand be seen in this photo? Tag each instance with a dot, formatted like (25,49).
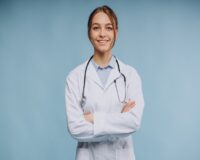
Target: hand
(89,117)
(128,106)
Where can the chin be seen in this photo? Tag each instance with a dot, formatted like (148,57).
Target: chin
(103,50)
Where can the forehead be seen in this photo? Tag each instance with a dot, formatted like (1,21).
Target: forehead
(101,18)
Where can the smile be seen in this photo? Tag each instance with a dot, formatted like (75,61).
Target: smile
(102,41)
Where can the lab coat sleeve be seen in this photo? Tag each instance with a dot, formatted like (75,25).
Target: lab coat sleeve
(122,124)
(78,127)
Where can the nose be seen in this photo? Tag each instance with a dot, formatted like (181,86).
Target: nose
(102,33)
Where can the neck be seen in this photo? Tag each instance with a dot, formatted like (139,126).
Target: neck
(102,59)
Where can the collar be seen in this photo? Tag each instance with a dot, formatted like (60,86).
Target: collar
(111,64)
(114,73)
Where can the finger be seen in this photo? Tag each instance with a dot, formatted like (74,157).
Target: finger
(86,113)
(132,103)
(128,106)
(127,109)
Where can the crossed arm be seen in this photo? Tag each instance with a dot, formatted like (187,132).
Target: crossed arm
(98,126)
(127,107)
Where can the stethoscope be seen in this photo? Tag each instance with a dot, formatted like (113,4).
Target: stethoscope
(83,98)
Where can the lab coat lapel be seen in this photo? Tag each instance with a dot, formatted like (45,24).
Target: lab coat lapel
(92,75)
(114,73)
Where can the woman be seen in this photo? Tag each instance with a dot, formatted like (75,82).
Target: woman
(104,100)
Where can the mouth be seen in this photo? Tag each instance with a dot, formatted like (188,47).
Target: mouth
(102,42)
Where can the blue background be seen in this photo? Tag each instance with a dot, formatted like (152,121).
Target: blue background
(41,41)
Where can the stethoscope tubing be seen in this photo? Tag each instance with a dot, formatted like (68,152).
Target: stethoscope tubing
(83,98)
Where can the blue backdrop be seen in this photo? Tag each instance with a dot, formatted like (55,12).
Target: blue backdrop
(41,41)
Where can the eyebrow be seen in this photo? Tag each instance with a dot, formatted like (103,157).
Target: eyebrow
(99,24)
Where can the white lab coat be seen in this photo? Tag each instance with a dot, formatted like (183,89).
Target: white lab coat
(109,137)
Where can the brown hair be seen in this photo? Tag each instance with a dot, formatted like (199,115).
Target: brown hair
(110,13)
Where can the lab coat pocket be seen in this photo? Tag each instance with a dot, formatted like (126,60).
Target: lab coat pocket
(83,154)
(124,154)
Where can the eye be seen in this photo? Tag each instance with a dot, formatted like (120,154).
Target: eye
(109,28)
(95,28)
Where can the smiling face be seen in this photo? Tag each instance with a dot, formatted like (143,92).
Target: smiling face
(102,33)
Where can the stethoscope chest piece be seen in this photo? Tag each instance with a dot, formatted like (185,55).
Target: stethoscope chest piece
(83,101)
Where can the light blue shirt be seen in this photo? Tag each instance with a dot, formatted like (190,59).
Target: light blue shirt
(103,72)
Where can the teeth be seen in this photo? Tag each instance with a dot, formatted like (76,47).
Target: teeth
(102,41)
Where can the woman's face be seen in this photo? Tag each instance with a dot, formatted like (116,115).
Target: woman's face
(102,33)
